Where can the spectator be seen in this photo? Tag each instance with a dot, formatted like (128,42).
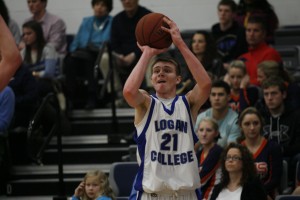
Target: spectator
(95,185)
(239,180)
(7,107)
(229,35)
(123,41)
(266,154)
(208,156)
(54,28)
(222,113)
(242,93)
(261,8)
(271,68)
(12,24)
(94,31)
(203,47)
(259,51)
(281,124)
(25,89)
(40,58)
(10,58)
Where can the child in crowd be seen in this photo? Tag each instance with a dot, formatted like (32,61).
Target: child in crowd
(95,186)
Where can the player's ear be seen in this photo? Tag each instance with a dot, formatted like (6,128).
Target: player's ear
(179,79)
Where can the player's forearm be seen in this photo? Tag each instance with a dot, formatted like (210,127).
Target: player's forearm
(137,75)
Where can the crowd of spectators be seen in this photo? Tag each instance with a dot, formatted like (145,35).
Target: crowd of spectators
(250,89)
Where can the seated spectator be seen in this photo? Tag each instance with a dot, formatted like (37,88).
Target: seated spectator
(266,154)
(94,31)
(25,88)
(95,185)
(261,8)
(222,113)
(238,180)
(54,28)
(259,51)
(209,155)
(242,93)
(12,24)
(281,125)
(271,68)
(40,58)
(229,35)
(123,41)
(204,48)
(10,58)
(7,107)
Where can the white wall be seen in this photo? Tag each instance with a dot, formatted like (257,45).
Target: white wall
(188,14)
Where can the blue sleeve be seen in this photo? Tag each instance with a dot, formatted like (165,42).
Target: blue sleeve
(7,108)
(78,37)
(234,132)
(75,198)
(51,62)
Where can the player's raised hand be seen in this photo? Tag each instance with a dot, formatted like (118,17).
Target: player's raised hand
(173,30)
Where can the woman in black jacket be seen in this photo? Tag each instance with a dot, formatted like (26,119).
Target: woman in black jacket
(239,180)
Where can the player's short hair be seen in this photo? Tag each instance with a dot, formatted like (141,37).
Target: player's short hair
(169,59)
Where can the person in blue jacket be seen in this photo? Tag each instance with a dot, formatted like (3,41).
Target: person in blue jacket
(93,32)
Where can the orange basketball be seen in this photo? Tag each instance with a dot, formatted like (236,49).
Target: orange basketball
(148,31)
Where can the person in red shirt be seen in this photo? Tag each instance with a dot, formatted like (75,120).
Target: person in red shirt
(259,50)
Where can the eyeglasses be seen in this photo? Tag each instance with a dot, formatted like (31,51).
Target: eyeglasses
(233,158)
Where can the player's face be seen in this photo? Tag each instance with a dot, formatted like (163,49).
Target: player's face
(235,77)
(92,187)
(164,78)
(100,9)
(29,36)
(255,34)
(130,5)
(198,44)
(219,98)
(251,126)
(36,6)
(260,76)
(233,163)
(225,14)
(274,98)
(207,133)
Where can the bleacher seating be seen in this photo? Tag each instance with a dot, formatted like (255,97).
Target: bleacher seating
(290,55)
(287,197)
(121,177)
(287,36)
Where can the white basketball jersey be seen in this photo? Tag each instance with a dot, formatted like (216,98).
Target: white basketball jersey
(165,139)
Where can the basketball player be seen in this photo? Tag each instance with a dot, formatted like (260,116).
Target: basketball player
(164,123)
(10,58)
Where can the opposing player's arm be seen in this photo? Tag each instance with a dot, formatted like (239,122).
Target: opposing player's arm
(10,58)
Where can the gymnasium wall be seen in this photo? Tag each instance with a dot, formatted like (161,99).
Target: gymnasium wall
(188,14)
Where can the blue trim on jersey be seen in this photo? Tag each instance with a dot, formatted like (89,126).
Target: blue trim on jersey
(141,142)
(198,194)
(191,121)
(170,112)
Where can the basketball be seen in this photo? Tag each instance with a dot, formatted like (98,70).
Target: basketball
(148,31)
